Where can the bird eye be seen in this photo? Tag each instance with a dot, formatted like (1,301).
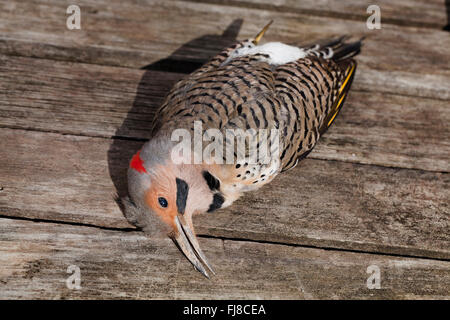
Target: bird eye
(162,202)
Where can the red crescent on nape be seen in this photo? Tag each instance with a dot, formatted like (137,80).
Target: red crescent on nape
(137,163)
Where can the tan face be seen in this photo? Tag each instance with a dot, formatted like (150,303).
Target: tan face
(161,197)
(165,194)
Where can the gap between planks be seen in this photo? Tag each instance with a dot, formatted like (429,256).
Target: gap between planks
(375,128)
(135,139)
(206,236)
(144,37)
(114,265)
(395,211)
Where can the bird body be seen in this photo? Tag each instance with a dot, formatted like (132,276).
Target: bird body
(292,92)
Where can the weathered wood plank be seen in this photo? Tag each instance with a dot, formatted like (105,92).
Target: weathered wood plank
(404,60)
(419,13)
(320,203)
(34,258)
(82,99)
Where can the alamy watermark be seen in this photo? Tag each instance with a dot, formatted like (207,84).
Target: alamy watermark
(225,147)
(73,282)
(374,280)
(374,20)
(74,20)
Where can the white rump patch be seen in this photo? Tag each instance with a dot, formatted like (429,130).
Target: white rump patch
(279,53)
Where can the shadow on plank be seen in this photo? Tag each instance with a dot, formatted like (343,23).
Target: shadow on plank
(140,116)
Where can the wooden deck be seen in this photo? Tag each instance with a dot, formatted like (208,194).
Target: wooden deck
(76,104)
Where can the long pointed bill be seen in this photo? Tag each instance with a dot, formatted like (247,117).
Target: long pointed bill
(187,242)
(261,33)
(193,239)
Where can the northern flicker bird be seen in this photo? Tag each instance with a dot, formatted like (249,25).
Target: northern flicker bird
(296,91)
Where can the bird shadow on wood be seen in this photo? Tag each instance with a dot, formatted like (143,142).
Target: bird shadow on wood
(135,128)
(447,8)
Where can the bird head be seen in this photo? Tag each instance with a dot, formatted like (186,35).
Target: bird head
(163,196)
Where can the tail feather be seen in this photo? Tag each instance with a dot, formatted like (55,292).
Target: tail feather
(349,65)
(341,52)
(336,48)
(347,50)
(333,43)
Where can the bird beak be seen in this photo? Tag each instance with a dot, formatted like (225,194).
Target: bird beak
(188,244)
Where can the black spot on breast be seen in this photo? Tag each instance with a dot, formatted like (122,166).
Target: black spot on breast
(213,182)
(217,203)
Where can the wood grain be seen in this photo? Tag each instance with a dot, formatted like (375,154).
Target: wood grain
(91,100)
(320,203)
(418,13)
(395,59)
(311,234)
(34,258)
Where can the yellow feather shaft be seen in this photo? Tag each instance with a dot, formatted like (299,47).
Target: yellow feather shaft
(337,108)
(346,80)
(261,33)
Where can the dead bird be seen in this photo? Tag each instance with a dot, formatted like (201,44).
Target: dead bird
(295,92)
